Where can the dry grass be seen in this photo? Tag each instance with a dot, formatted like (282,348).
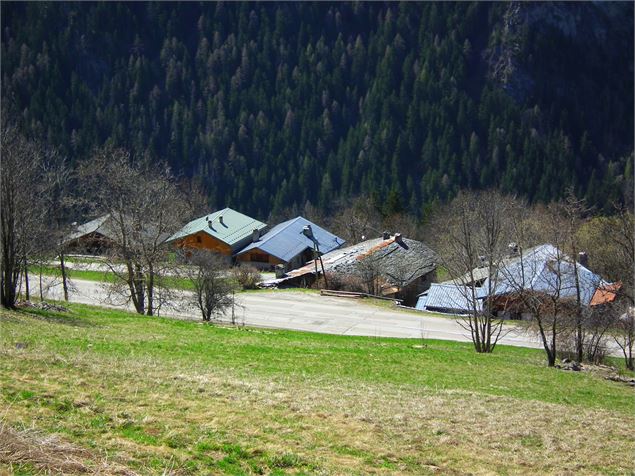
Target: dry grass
(156,414)
(30,450)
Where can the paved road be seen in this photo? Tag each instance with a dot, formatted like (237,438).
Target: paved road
(307,312)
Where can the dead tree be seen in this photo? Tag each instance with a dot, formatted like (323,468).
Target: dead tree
(143,206)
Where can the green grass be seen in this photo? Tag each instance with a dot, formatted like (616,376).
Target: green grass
(155,394)
(104,276)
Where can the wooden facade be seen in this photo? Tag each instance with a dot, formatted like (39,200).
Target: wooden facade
(93,244)
(204,241)
(265,261)
(259,258)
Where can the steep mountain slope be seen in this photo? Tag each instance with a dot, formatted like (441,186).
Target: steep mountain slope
(270,105)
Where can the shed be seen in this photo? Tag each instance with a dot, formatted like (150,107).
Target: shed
(290,243)
(449,298)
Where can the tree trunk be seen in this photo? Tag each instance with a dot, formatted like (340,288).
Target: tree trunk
(9,275)
(41,285)
(27,291)
(552,355)
(140,289)
(150,292)
(135,284)
(64,277)
(579,344)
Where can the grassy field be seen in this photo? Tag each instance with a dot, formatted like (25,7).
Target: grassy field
(109,392)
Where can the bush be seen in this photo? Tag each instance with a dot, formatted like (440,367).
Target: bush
(342,282)
(247,276)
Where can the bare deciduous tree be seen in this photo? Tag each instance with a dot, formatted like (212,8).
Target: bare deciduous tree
(544,281)
(144,207)
(572,210)
(24,214)
(610,242)
(473,236)
(358,221)
(213,288)
(369,270)
(625,336)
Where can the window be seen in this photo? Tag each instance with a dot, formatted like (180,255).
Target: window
(260,257)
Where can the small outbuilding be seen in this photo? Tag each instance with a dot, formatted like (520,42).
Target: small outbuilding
(450,298)
(224,232)
(290,244)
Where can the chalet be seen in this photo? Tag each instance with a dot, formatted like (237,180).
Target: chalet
(224,232)
(400,267)
(94,237)
(543,271)
(289,245)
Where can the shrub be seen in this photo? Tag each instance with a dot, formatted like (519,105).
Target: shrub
(342,282)
(247,276)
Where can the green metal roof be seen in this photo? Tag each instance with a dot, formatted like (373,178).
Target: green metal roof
(227,225)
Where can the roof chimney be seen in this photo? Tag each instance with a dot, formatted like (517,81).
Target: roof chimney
(255,235)
(385,235)
(307,231)
(583,259)
(398,237)
(220,219)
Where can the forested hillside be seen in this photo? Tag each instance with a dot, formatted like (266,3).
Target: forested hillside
(271,105)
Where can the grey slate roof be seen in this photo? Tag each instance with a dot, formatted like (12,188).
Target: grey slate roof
(234,229)
(399,263)
(286,240)
(546,269)
(99,225)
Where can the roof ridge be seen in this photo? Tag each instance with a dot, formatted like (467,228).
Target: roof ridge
(282,228)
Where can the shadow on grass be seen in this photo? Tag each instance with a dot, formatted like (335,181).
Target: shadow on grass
(54,317)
